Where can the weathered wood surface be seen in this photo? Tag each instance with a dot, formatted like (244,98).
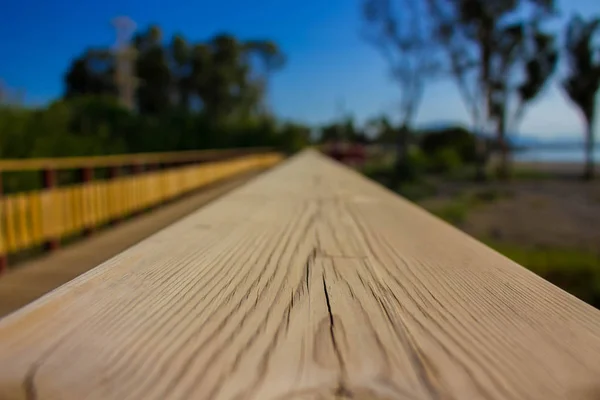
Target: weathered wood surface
(310,282)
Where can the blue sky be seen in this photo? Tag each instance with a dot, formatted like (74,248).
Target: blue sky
(328,62)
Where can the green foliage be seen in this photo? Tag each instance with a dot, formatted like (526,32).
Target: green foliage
(345,130)
(583,80)
(498,55)
(223,77)
(384,170)
(189,96)
(520,173)
(415,165)
(293,137)
(14,125)
(454,212)
(380,171)
(444,161)
(417,190)
(457,138)
(490,195)
(84,126)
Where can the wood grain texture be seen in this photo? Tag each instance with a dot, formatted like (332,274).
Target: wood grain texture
(310,282)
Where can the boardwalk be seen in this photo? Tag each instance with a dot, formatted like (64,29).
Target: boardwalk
(310,282)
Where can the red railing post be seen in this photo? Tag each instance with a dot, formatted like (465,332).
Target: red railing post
(50,183)
(3,258)
(137,169)
(114,172)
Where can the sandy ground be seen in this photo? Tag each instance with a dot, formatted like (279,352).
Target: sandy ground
(546,213)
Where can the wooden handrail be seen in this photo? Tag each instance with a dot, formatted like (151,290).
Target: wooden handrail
(123,159)
(309,282)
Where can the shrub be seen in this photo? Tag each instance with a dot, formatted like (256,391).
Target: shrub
(456,138)
(444,160)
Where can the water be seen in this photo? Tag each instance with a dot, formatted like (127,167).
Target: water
(554,155)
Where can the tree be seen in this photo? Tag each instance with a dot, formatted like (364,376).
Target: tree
(223,77)
(181,57)
(293,137)
(583,79)
(343,130)
(401,30)
(190,94)
(540,61)
(153,71)
(271,59)
(456,138)
(525,50)
(91,74)
(380,130)
(489,44)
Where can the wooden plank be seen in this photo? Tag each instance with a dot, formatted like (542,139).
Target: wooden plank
(311,282)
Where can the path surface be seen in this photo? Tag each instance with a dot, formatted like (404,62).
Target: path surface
(29,281)
(311,282)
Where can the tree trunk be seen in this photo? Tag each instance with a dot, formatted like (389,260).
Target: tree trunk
(589,151)
(481,154)
(504,167)
(481,144)
(402,170)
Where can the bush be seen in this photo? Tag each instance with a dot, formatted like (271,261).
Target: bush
(415,166)
(443,161)
(99,125)
(457,138)
(417,190)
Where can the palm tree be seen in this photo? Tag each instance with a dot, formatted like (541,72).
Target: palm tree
(583,79)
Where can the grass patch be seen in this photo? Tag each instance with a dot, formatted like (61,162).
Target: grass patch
(530,174)
(490,195)
(412,189)
(382,172)
(417,191)
(576,271)
(454,212)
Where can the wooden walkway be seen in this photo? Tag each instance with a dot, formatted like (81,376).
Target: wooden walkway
(311,282)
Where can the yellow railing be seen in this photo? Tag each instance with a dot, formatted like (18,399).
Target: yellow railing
(116,160)
(33,218)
